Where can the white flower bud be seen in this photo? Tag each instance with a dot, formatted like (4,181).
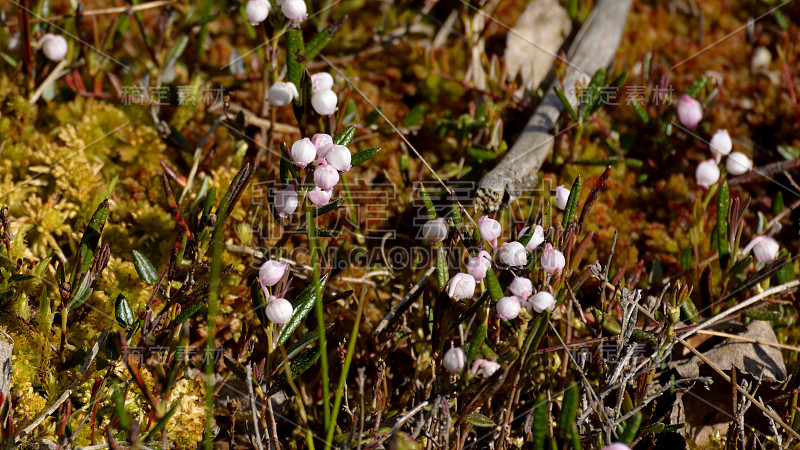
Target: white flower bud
(738,163)
(434,230)
(562,196)
(271,272)
(541,301)
(508,308)
(279,310)
(521,287)
(325,176)
(294,10)
(765,249)
(322,81)
(690,111)
(323,143)
(303,152)
(54,47)
(339,157)
(552,260)
(461,286)
(454,360)
(512,254)
(478,265)
(319,197)
(490,229)
(761,59)
(286,201)
(707,173)
(256,11)
(536,238)
(324,102)
(484,368)
(721,143)
(282,93)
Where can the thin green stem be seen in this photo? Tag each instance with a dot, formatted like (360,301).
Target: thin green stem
(211,316)
(318,305)
(351,346)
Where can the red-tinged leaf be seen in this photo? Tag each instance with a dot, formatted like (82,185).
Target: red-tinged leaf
(587,205)
(173,206)
(116,84)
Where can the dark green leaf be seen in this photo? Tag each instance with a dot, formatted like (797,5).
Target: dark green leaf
(323,232)
(786,273)
(570,110)
(415,115)
(123,312)
(345,137)
(640,111)
(20,277)
(328,208)
(723,204)
(259,301)
(569,411)
(644,337)
(762,314)
(697,86)
(144,268)
(541,422)
(631,429)
(82,293)
(428,203)
(295,55)
(572,202)
(321,40)
(177,50)
(303,304)
(364,156)
(481,153)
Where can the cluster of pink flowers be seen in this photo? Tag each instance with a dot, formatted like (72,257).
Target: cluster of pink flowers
(278,309)
(258,10)
(328,160)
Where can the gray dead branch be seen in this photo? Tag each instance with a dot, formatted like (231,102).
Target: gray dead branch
(594,48)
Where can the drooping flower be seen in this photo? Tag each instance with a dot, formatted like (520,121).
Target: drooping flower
(478,265)
(536,238)
(541,301)
(508,308)
(319,197)
(512,254)
(490,229)
(325,176)
(339,157)
(484,368)
(303,152)
(720,144)
(562,196)
(282,93)
(322,81)
(454,360)
(435,230)
(690,111)
(54,47)
(294,10)
(324,102)
(765,249)
(521,287)
(461,286)
(707,173)
(279,310)
(271,272)
(616,446)
(738,163)
(552,260)
(256,11)
(286,201)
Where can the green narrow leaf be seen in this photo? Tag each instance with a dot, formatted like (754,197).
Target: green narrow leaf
(640,111)
(697,86)
(327,208)
(572,202)
(569,411)
(119,405)
(324,232)
(82,293)
(303,305)
(591,95)
(478,420)
(478,336)
(144,268)
(763,314)
(161,423)
(364,156)
(723,204)
(494,285)
(442,272)
(689,311)
(607,322)
(177,50)
(259,301)
(428,203)
(304,361)
(90,240)
(786,273)
(345,137)
(321,40)
(631,429)
(188,312)
(643,336)
(295,55)
(123,312)
(567,106)
(455,213)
